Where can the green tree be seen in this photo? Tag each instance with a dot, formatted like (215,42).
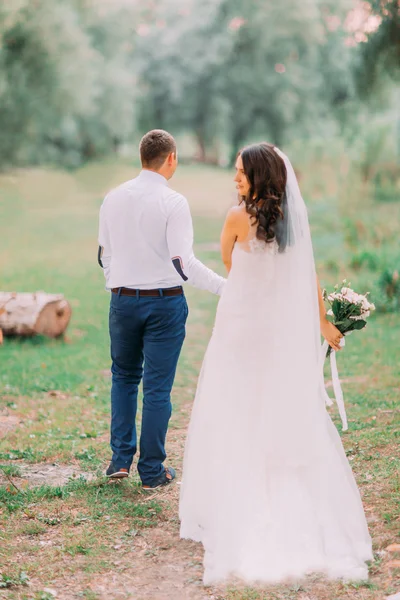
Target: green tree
(236,70)
(43,76)
(380,55)
(67,88)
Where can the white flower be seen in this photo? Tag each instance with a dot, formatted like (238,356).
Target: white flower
(335,296)
(366,306)
(354,298)
(359,317)
(347,296)
(345,290)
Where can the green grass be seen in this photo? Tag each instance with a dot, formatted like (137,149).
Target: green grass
(59,389)
(11,470)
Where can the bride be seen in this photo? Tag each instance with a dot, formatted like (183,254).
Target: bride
(266,485)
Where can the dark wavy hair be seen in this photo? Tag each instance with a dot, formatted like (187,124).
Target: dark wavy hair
(266,200)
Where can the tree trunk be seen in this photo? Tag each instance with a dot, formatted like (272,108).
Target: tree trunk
(201,155)
(34,314)
(238,135)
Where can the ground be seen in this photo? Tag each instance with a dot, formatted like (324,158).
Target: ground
(65,531)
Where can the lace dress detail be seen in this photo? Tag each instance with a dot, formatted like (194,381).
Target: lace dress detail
(255,245)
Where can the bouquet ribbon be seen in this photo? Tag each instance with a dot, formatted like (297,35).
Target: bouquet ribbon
(336,383)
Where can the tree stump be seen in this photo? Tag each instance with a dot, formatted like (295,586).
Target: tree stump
(33,314)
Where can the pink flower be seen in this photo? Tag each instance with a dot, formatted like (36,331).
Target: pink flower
(280,68)
(236,23)
(143,30)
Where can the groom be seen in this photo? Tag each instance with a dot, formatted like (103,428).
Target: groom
(146,239)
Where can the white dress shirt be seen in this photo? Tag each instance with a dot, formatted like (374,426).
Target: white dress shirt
(146,232)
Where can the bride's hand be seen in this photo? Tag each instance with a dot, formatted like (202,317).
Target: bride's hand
(331,334)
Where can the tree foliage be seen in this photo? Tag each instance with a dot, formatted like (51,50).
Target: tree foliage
(381,54)
(66,88)
(79,78)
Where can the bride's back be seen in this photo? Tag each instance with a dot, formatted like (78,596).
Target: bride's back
(252,259)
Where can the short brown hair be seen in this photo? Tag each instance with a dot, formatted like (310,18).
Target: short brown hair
(154,148)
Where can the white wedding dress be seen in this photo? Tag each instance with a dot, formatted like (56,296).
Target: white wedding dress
(266,484)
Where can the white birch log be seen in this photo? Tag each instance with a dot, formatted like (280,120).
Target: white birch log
(31,314)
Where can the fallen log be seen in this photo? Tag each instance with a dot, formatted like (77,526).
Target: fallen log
(28,314)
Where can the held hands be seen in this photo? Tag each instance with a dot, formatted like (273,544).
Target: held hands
(331,334)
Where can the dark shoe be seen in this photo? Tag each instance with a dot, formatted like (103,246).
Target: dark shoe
(164,479)
(114,473)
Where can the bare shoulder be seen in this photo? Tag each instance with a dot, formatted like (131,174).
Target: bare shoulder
(237,222)
(237,214)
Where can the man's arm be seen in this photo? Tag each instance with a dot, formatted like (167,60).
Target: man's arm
(104,251)
(99,255)
(180,245)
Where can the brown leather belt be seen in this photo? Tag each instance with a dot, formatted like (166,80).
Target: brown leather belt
(175,291)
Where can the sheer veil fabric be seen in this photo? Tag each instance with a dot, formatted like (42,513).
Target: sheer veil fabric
(266,485)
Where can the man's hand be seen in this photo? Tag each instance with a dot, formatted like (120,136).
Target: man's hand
(331,334)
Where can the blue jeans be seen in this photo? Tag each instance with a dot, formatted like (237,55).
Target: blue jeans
(148,330)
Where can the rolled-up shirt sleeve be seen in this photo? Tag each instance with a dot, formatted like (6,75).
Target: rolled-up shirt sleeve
(180,245)
(104,256)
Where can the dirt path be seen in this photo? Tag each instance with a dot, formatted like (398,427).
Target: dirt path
(154,564)
(161,566)
(167,567)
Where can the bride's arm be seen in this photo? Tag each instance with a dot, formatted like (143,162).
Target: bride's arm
(229,236)
(328,330)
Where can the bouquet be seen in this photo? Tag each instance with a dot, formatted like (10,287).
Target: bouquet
(349,310)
